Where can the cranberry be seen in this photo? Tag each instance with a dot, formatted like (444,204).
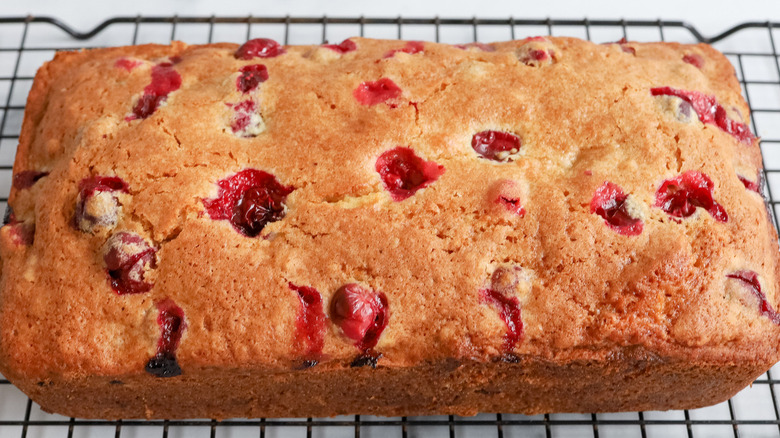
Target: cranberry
(680,196)
(694,59)
(127,63)
(478,46)
(310,324)
(372,93)
(171,321)
(609,202)
(495,145)
(709,112)
(27,178)
(251,76)
(750,280)
(508,307)
(259,48)
(536,52)
(96,204)
(128,257)
(247,121)
(754,186)
(404,173)
(22,233)
(508,194)
(250,199)
(623,43)
(165,80)
(512,204)
(361,314)
(411,48)
(344,47)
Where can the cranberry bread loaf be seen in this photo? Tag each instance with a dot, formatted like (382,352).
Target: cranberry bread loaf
(386,227)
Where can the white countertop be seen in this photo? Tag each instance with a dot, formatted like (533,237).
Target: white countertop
(710,17)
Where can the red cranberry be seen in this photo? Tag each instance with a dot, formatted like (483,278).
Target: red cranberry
(411,48)
(680,196)
(513,204)
(251,76)
(165,80)
(361,314)
(344,47)
(96,204)
(372,93)
(623,43)
(128,257)
(495,145)
(508,307)
(171,321)
(508,194)
(247,121)
(694,59)
(404,173)
(750,280)
(479,46)
(127,63)
(536,52)
(310,324)
(754,186)
(259,48)
(27,178)
(22,233)
(609,202)
(250,199)
(709,112)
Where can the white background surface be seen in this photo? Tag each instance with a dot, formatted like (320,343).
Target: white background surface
(710,16)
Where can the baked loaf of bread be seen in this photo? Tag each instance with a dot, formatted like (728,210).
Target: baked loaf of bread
(386,227)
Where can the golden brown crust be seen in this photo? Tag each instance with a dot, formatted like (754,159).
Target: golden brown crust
(593,298)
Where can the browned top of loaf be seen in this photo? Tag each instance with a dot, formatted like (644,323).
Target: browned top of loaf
(586,118)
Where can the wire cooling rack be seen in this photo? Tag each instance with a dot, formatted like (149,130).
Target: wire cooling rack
(26,42)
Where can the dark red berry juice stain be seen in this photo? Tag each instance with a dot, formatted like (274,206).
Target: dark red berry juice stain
(694,59)
(310,323)
(251,76)
(127,63)
(753,186)
(361,313)
(509,310)
(342,48)
(495,145)
(88,187)
(27,178)
(404,173)
(750,280)
(375,92)
(165,80)
(127,257)
(171,321)
(680,196)
(250,199)
(243,115)
(609,202)
(259,48)
(411,47)
(709,112)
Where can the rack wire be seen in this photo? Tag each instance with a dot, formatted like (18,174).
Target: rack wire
(26,42)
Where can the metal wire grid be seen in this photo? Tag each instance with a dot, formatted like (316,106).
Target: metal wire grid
(747,414)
